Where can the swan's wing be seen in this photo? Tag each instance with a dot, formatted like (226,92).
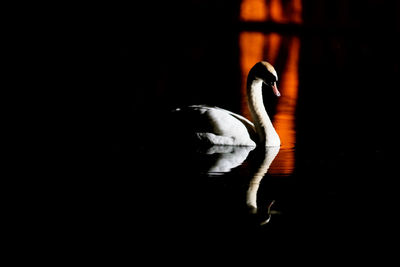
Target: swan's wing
(248,124)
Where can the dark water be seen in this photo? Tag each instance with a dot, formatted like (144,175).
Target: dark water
(335,203)
(328,196)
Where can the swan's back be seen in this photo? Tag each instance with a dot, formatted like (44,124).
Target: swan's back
(213,125)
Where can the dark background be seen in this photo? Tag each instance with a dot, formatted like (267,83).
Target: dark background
(121,67)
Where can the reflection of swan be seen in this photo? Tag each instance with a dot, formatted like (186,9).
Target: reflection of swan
(217,126)
(251,196)
(225,158)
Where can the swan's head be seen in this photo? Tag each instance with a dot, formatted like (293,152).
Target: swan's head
(267,73)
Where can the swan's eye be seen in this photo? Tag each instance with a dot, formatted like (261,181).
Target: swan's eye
(269,83)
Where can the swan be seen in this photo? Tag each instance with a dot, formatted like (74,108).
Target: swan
(217,126)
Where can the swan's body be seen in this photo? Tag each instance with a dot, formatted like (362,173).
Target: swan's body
(216,126)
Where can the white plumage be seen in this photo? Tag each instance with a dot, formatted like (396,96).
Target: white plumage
(217,126)
(224,127)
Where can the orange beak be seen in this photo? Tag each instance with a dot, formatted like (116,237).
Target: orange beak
(275,90)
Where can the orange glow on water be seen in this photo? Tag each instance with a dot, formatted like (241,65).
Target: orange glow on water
(297,11)
(284,119)
(257,46)
(286,108)
(251,51)
(278,11)
(273,43)
(253,10)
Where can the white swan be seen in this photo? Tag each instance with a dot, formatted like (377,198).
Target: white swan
(217,126)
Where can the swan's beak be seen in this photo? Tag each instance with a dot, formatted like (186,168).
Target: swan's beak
(275,90)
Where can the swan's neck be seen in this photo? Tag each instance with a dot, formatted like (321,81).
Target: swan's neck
(251,197)
(265,130)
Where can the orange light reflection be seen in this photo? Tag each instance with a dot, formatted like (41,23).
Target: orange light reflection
(284,119)
(278,11)
(253,10)
(286,108)
(273,44)
(251,51)
(256,46)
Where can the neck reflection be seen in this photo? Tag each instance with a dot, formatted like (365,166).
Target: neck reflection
(269,155)
(224,159)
